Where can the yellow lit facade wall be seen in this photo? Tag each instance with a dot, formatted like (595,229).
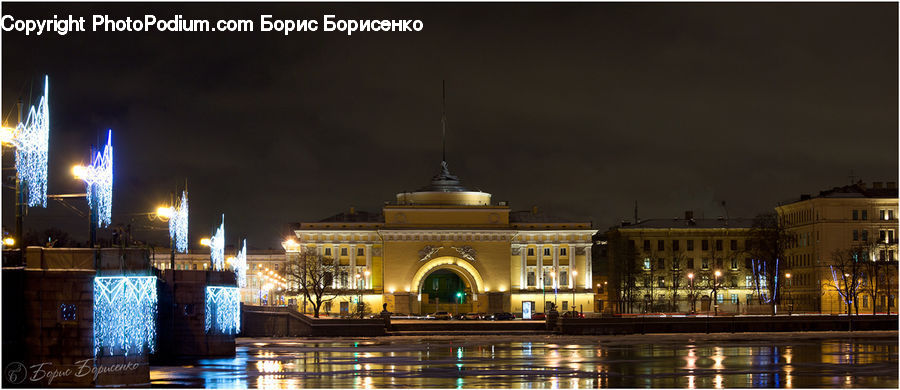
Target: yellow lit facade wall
(498,261)
(824,225)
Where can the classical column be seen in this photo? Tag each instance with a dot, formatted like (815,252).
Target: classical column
(540,266)
(353,271)
(523,283)
(556,265)
(588,270)
(336,260)
(369,265)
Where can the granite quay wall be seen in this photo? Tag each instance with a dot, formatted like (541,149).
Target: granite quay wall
(268,321)
(805,323)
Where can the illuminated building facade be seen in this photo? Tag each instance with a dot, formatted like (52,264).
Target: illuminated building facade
(671,255)
(264,272)
(853,216)
(445,237)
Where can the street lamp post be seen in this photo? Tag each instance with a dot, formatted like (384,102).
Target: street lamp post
(574,274)
(555,288)
(716,292)
(790,299)
(693,297)
(543,290)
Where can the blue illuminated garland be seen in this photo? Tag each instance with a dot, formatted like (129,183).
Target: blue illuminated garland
(240,266)
(32,141)
(99,180)
(124,315)
(217,247)
(223,310)
(760,270)
(178,224)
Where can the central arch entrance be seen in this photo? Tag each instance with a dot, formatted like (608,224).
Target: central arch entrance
(445,290)
(447,284)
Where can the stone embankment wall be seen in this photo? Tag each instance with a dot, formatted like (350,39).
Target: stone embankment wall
(263,321)
(640,325)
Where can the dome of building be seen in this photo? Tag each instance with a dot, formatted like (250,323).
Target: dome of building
(445,189)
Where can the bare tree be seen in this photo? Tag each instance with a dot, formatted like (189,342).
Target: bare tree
(311,275)
(692,287)
(847,268)
(877,271)
(626,269)
(771,241)
(677,274)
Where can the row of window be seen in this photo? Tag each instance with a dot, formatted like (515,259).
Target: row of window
(704,282)
(205,265)
(704,245)
(720,298)
(359,251)
(562,251)
(704,263)
(883,214)
(548,277)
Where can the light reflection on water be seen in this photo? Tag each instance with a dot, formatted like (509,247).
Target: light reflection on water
(587,363)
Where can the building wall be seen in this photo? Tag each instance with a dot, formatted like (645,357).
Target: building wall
(730,260)
(418,240)
(825,225)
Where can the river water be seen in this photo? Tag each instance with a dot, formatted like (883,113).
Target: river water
(547,362)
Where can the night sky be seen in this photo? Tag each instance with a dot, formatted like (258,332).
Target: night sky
(580,109)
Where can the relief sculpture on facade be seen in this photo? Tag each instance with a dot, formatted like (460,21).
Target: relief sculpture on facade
(466,252)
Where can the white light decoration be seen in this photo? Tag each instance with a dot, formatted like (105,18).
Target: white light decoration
(217,247)
(124,315)
(99,180)
(178,224)
(31,140)
(240,266)
(223,310)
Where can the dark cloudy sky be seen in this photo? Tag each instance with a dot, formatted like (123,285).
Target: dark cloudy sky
(581,109)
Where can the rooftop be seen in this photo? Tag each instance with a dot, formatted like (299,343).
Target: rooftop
(355,216)
(879,190)
(693,223)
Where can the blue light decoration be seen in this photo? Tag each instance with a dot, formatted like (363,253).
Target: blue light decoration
(178,224)
(32,143)
(240,266)
(217,247)
(223,310)
(760,267)
(124,315)
(99,180)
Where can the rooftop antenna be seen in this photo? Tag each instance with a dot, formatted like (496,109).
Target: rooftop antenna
(635,212)
(443,121)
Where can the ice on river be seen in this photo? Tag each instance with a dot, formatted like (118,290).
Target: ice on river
(825,359)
